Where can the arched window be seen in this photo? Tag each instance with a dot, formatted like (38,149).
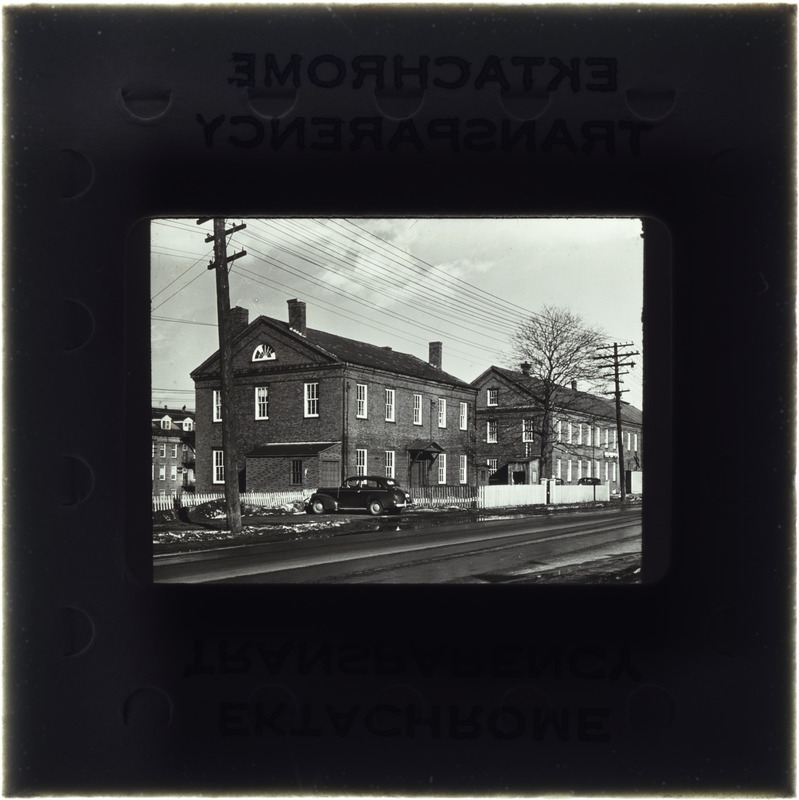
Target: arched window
(263,352)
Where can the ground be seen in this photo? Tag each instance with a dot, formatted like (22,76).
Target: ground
(204,528)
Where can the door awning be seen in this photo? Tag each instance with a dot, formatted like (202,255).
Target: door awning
(423,450)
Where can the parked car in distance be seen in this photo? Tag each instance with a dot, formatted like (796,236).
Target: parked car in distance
(589,482)
(373,493)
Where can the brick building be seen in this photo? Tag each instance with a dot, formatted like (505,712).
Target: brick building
(582,438)
(173,451)
(313,408)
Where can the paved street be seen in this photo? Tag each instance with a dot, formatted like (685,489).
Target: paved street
(491,551)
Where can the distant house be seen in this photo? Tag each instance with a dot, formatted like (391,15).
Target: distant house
(582,437)
(313,408)
(173,451)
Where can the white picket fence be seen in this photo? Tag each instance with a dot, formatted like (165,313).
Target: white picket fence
(265,499)
(423,497)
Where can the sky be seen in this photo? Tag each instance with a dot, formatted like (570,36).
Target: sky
(397,282)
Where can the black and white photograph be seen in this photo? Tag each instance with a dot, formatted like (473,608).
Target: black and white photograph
(443,401)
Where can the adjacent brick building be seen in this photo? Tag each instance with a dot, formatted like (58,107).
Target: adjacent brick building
(583,433)
(313,408)
(173,451)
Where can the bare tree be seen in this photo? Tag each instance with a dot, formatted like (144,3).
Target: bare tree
(557,348)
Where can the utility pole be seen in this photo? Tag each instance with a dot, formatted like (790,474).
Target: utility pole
(616,375)
(229,426)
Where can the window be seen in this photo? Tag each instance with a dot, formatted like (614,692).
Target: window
(528,449)
(361,395)
(311,399)
(166,424)
(596,468)
(162,472)
(569,433)
(491,431)
(559,430)
(579,433)
(390,405)
(442,467)
(628,441)
(442,412)
(569,471)
(218,474)
(462,464)
(296,472)
(217,405)
(263,352)
(463,417)
(173,472)
(493,463)
(185,448)
(389,463)
(162,449)
(606,470)
(174,451)
(261,402)
(615,439)
(360,462)
(607,434)
(614,472)
(559,469)
(588,432)
(153,448)
(579,468)
(492,396)
(527,430)
(635,442)
(417,409)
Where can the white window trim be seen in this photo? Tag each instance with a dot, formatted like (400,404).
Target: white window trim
(607,436)
(568,433)
(559,428)
(361,403)
(391,397)
(174,453)
(558,468)
(528,433)
(268,353)
(635,442)
(442,412)
(162,449)
(491,437)
(463,465)
(418,405)
(442,468)
(569,471)
(390,464)
(361,461)
(311,401)
(162,472)
(217,467)
(579,433)
(492,464)
(258,414)
(173,472)
(464,416)
(217,405)
(492,393)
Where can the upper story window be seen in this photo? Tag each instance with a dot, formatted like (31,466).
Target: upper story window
(442,412)
(311,399)
(417,409)
(361,398)
(628,441)
(579,433)
(463,417)
(163,450)
(217,405)
(188,424)
(491,431)
(261,402)
(264,352)
(390,395)
(568,432)
(166,423)
(174,451)
(588,434)
(559,430)
(607,435)
(528,433)
(635,442)
(492,396)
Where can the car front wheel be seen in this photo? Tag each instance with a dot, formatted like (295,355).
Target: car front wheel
(375,508)
(318,507)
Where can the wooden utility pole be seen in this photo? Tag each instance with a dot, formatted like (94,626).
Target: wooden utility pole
(229,426)
(616,363)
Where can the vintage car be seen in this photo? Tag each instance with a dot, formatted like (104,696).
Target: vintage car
(372,493)
(589,482)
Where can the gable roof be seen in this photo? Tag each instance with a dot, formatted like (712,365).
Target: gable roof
(576,401)
(349,351)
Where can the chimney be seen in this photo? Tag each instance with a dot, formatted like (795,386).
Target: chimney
(436,349)
(574,386)
(297,316)
(526,368)
(239,319)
